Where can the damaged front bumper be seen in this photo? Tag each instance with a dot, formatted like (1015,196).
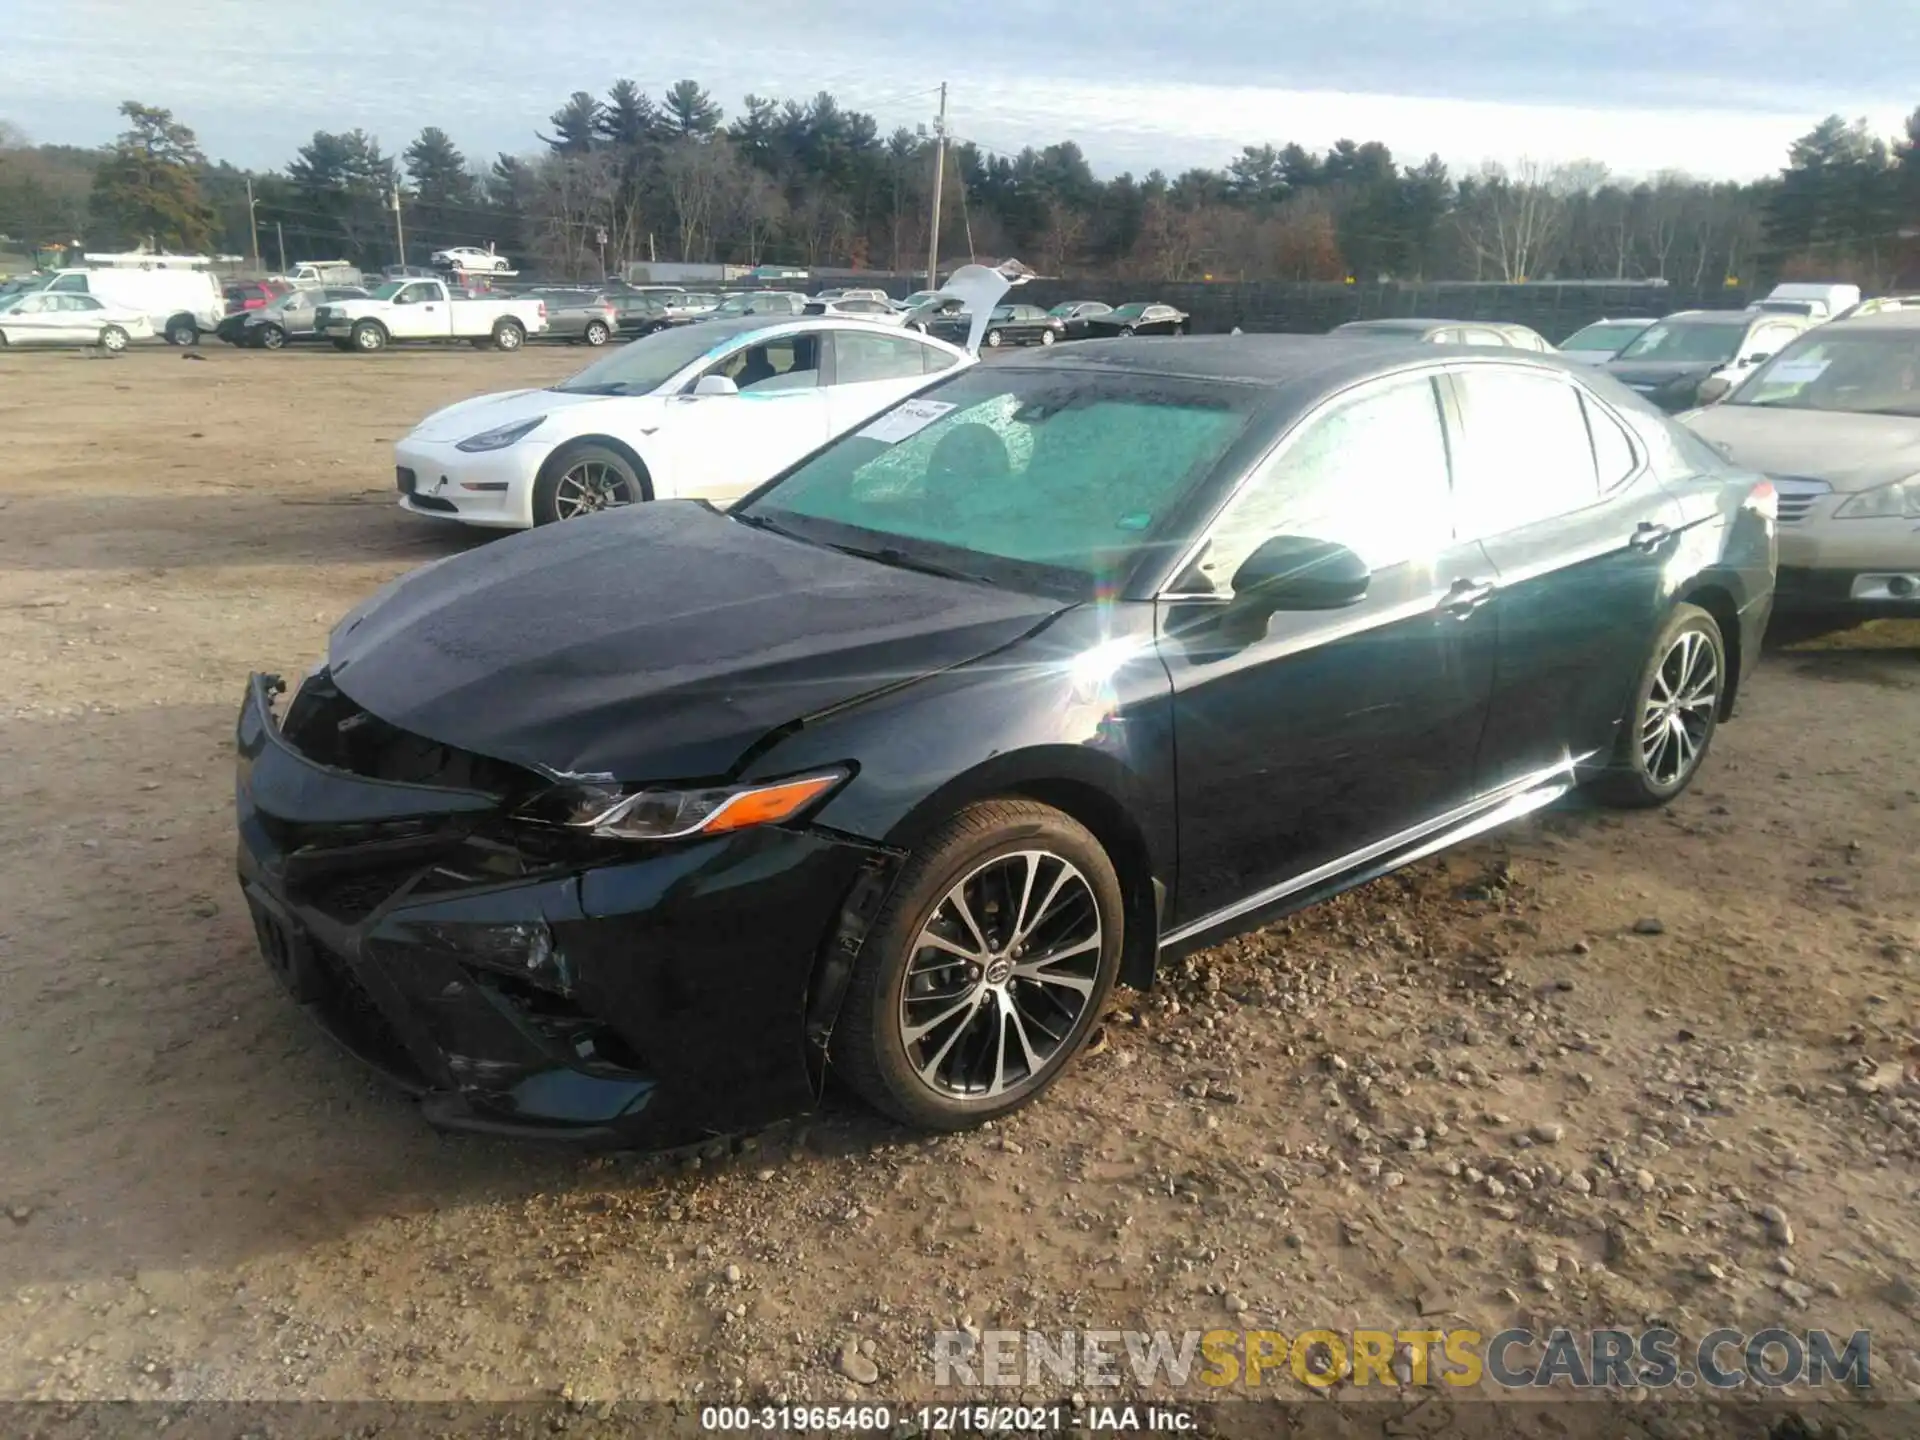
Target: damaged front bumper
(530,981)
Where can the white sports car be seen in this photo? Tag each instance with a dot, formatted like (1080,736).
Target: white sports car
(706,411)
(470,259)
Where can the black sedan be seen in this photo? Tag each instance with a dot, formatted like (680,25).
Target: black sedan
(1075,315)
(631,829)
(1022,325)
(1138,318)
(641,312)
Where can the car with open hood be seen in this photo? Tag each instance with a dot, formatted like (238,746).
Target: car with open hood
(1834,420)
(1672,358)
(634,829)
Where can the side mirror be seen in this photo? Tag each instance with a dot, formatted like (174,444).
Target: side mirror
(1292,572)
(715,385)
(1758,358)
(1713,390)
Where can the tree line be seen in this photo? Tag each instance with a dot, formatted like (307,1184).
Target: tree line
(623,177)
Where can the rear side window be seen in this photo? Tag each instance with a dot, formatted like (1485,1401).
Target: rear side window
(71,283)
(1613,453)
(860,358)
(1525,454)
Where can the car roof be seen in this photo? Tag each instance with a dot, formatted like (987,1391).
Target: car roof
(1903,319)
(1408,323)
(1267,360)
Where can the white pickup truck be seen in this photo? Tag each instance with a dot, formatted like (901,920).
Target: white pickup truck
(425,310)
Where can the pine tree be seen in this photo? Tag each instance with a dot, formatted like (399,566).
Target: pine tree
(147,189)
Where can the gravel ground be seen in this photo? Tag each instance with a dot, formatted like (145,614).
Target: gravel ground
(1596,1069)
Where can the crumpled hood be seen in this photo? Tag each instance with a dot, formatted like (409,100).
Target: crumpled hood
(1848,451)
(489,412)
(655,642)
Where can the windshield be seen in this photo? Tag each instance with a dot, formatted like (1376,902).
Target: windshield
(645,365)
(1866,372)
(1132,312)
(1697,342)
(7,302)
(1603,336)
(1036,479)
(388,290)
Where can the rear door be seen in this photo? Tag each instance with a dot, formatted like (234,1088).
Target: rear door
(1334,731)
(870,371)
(1580,532)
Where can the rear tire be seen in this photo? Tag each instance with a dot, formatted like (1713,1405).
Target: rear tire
(1675,711)
(1030,879)
(113,339)
(583,480)
(182,331)
(1047,337)
(597,333)
(509,335)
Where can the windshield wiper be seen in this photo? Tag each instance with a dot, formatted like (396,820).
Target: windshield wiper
(893,555)
(610,387)
(761,522)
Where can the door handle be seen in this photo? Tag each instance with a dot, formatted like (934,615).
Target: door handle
(1466,596)
(1649,536)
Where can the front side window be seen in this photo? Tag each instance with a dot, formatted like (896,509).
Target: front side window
(1525,454)
(858,359)
(1032,478)
(787,362)
(1369,474)
(1689,342)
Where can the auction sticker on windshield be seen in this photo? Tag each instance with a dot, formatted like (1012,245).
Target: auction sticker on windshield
(1798,372)
(907,419)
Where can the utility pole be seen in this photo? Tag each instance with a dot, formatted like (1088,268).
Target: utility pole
(253,223)
(280,234)
(939,176)
(399,232)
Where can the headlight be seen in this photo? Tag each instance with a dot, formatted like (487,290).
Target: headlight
(624,813)
(502,436)
(1898,501)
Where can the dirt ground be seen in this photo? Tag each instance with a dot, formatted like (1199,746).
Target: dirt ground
(1472,1094)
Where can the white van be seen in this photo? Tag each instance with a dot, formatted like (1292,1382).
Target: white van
(180,303)
(1819,302)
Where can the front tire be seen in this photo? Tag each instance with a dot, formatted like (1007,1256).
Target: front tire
(993,339)
(584,480)
(597,334)
(113,339)
(1675,711)
(368,336)
(983,976)
(271,337)
(1126,330)
(509,335)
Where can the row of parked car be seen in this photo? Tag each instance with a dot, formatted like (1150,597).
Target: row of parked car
(998,685)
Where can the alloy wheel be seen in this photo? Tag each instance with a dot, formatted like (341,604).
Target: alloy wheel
(1000,976)
(1678,714)
(588,487)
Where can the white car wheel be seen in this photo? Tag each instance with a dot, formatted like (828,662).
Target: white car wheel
(113,339)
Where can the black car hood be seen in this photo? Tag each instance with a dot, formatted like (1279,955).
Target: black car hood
(1659,372)
(658,642)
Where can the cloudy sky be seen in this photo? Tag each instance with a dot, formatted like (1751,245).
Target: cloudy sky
(1713,87)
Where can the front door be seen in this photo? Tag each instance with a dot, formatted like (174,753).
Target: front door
(419,312)
(718,447)
(1335,730)
(1579,532)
